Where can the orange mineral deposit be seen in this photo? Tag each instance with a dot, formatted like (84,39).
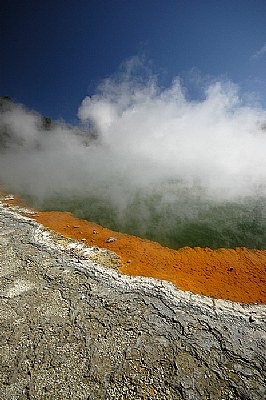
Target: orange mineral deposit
(234,274)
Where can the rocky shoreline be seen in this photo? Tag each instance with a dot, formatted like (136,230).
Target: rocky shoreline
(73,327)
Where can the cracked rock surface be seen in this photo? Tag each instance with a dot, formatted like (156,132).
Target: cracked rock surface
(72,327)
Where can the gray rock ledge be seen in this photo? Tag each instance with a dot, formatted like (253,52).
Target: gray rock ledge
(72,327)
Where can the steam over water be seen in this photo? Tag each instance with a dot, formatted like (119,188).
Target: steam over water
(147,161)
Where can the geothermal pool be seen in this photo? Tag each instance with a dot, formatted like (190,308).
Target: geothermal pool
(233,274)
(174,218)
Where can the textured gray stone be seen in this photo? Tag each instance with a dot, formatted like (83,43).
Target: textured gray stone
(72,327)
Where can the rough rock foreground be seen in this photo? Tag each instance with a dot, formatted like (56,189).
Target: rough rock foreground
(72,327)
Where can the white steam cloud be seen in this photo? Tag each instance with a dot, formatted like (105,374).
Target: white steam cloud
(148,139)
(219,142)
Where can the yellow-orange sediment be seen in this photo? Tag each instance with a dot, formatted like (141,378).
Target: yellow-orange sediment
(234,274)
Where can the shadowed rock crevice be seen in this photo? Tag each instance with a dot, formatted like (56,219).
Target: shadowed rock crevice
(73,327)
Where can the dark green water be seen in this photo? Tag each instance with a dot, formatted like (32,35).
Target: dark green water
(175,221)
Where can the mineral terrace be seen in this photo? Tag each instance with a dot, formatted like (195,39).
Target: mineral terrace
(73,327)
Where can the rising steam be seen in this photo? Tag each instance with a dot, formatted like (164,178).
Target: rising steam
(146,152)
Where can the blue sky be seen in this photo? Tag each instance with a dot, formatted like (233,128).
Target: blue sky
(54,53)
